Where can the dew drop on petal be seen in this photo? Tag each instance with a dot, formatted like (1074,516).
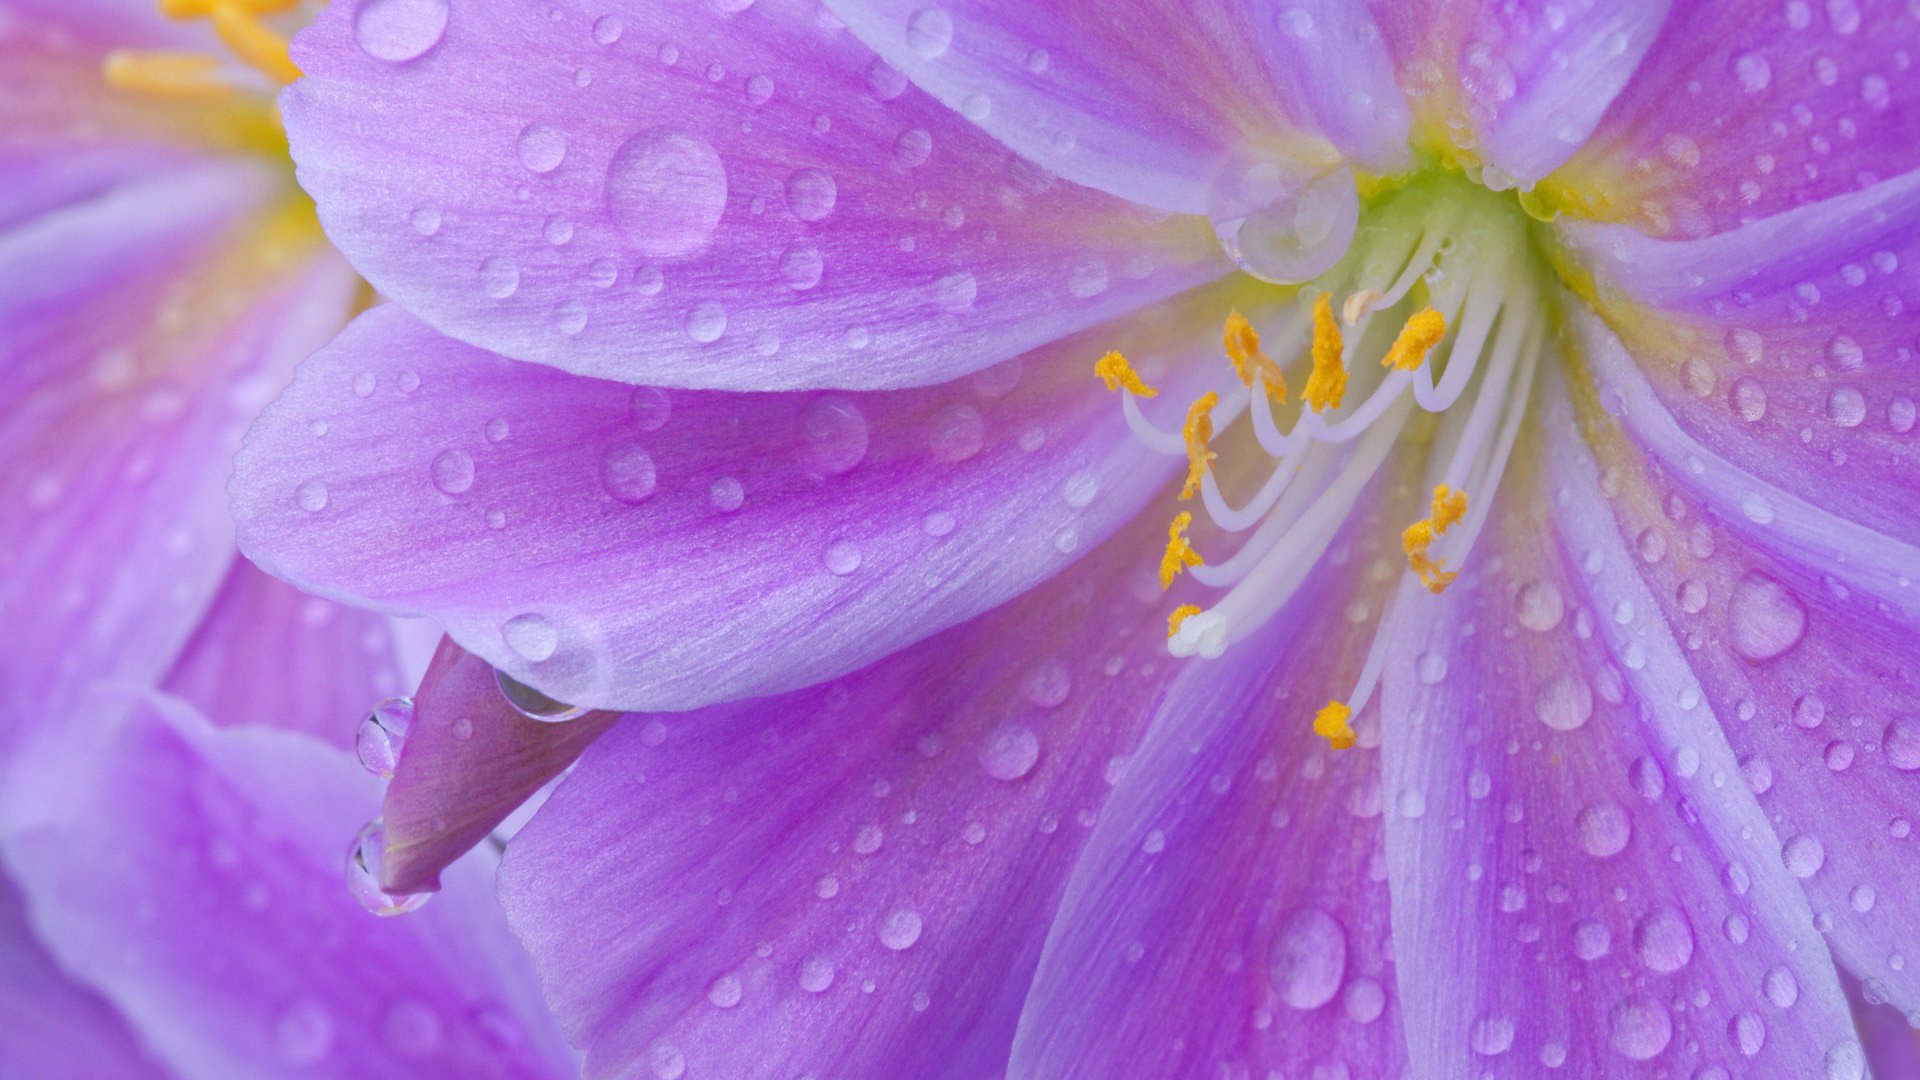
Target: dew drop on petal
(1640,1027)
(1308,959)
(399,30)
(1010,751)
(666,189)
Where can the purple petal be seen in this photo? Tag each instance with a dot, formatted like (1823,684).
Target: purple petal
(1229,917)
(144,326)
(1892,1045)
(637,549)
(209,907)
(1576,884)
(851,880)
(689,197)
(50,1026)
(1149,100)
(469,760)
(267,653)
(1746,108)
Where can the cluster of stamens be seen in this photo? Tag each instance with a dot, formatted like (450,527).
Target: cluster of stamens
(181,73)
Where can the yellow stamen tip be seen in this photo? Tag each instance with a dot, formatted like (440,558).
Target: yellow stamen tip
(1331,723)
(1243,348)
(1199,432)
(1327,385)
(254,41)
(1358,304)
(1449,506)
(1180,553)
(1180,615)
(164,73)
(1114,370)
(1422,332)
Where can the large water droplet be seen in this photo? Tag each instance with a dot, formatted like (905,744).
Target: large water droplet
(1664,939)
(453,471)
(1641,1027)
(666,189)
(816,975)
(542,148)
(399,30)
(901,930)
(1297,236)
(836,435)
(930,32)
(811,194)
(1605,827)
(303,1033)
(1539,606)
(958,432)
(533,704)
(531,636)
(1803,856)
(627,473)
(1565,703)
(311,496)
(1308,960)
(1764,619)
(363,875)
(382,733)
(1010,751)
(1491,1035)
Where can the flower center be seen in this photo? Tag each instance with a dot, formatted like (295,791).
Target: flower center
(1442,285)
(261,49)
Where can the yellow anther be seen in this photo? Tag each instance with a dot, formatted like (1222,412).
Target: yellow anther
(1243,348)
(1179,554)
(253,41)
(1422,332)
(1449,506)
(165,73)
(1360,303)
(1180,615)
(1328,382)
(1114,370)
(1331,724)
(200,9)
(1199,432)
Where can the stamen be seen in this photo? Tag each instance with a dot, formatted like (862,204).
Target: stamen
(1114,370)
(1180,614)
(1328,383)
(1199,432)
(253,41)
(1243,348)
(1449,506)
(1179,554)
(165,73)
(1421,333)
(1331,724)
(1360,303)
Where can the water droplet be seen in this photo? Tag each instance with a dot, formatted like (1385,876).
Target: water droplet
(811,194)
(533,704)
(1846,1061)
(901,930)
(1901,742)
(1803,856)
(1081,489)
(836,435)
(666,189)
(1491,1035)
(1308,959)
(607,29)
(1641,1027)
(311,496)
(1846,406)
(706,321)
(651,407)
(425,220)
(843,557)
(1764,619)
(531,636)
(1591,939)
(1297,236)
(399,30)
(725,992)
(801,266)
(667,1062)
(930,32)
(382,733)
(1365,1000)
(1753,70)
(912,148)
(1565,703)
(1539,606)
(1781,987)
(453,471)
(956,291)
(1664,940)
(726,495)
(499,277)
(627,473)
(816,975)
(363,875)
(542,148)
(303,1033)
(958,432)
(1604,828)
(1010,751)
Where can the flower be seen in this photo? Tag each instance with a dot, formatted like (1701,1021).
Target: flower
(756,352)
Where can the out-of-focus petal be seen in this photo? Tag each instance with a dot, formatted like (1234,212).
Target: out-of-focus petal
(470,759)
(854,879)
(1150,100)
(1580,882)
(1800,626)
(1785,347)
(684,196)
(266,653)
(1746,108)
(639,549)
(140,330)
(1229,917)
(210,908)
(1515,87)
(52,1027)
(1892,1044)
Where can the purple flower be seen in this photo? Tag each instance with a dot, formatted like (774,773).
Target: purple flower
(1540,668)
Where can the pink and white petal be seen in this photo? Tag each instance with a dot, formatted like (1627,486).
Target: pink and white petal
(1516,87)
(1785,347)
(469,761)
(1229,916)
(52,1027)
(683,196)
(1152,101)
(1748,108)
(143,329)
(267,653)
(1801,625)
(210,909)
(854,879)
(1576,884)
(639,549)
